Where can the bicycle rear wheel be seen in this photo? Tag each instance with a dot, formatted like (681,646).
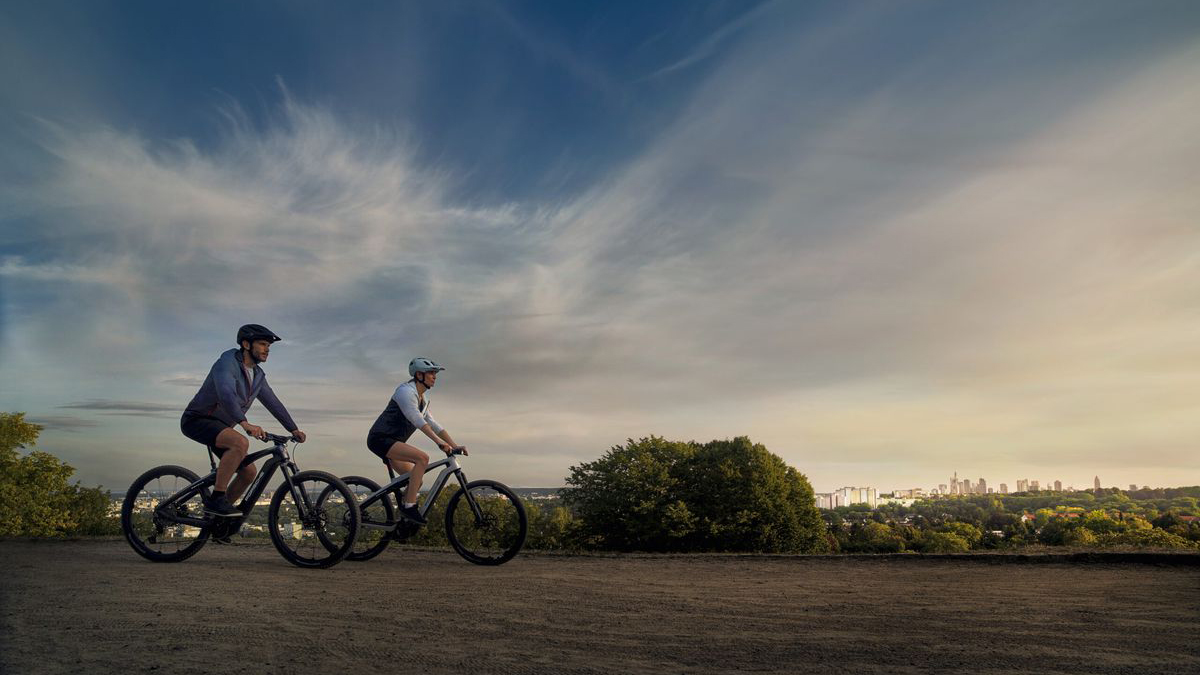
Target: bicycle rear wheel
(314,525)
(150,529)
(486,523)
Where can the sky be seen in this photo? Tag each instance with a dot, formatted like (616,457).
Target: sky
(889,241)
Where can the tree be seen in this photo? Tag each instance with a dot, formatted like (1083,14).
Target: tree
(660,495)
(943,542)
(35,498)
(628,499)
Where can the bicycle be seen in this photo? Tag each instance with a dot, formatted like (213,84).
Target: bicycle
(164,521)
(485,520)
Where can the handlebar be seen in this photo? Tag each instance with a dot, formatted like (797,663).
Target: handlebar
(277,439)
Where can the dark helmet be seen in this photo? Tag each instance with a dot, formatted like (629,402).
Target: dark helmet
(254,331)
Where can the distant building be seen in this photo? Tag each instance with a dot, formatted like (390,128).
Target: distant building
(942,488)
(1096,482)
(829,500)
(1003,488)
(1022,485)
(1034,486)
(1058,486)
(857,495)
(981,487)
(1132,486)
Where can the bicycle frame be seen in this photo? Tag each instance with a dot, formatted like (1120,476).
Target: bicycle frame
(279,460)
(451,469)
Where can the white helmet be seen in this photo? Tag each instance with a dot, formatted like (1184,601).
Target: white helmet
(422,365)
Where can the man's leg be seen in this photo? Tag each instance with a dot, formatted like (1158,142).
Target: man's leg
(242,481)
(235,446)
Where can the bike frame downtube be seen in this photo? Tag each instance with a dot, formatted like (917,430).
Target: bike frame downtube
(451,467)
(252,494)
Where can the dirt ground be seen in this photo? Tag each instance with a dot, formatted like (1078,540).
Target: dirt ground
(94,606)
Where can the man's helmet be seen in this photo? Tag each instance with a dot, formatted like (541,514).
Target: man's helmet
(254,331)
(422,365)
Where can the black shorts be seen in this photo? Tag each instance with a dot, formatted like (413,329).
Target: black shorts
(204,430)
(380,444)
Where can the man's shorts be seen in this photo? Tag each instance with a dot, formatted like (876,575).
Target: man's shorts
(204,430)
(380,444)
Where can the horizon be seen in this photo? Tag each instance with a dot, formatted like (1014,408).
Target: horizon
(878,239)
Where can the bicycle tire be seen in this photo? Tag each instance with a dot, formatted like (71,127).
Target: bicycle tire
(132,523)
(365,546)
(318,518)
(504,515)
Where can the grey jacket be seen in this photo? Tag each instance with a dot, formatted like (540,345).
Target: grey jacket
(226,396)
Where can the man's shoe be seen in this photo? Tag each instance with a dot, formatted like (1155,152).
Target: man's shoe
(220,506)
(412,513)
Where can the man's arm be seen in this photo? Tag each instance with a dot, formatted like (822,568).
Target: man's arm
(271,402)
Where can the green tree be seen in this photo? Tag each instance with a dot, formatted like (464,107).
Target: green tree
(878,538)
(629,498)
(1079,536)
(33,488)
(35,498)
(660,495)
(943,542)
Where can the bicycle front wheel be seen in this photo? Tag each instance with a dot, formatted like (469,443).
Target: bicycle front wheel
(313,521)
(151,526)
(372,536)
(486,523)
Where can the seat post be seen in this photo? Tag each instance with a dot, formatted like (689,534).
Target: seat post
(212,458)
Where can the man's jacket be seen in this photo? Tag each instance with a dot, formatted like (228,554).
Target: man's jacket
(227,395)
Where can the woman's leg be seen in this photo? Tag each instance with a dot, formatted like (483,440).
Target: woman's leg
(405,458)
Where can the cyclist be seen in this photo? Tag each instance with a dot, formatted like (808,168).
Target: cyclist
(407,411)
(232,385)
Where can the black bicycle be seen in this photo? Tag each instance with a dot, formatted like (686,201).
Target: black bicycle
(485,520)
(164,521)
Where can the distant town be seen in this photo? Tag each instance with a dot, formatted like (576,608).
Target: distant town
(847,496)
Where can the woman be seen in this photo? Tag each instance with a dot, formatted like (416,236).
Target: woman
(406,412)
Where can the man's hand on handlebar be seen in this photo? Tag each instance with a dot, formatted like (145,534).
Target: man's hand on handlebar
(254,431)
(300,436)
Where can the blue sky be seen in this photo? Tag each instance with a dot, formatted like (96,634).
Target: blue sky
(890,241)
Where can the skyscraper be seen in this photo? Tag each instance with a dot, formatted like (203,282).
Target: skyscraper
(1034,485)
(1096,482)
(1022,485)
(1003,488)
(982,486)
(1058,486)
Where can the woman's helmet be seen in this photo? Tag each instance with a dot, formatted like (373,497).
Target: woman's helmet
(422,365)
(254,331)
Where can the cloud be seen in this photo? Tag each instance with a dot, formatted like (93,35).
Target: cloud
(911,260)
(130,408)
(65,423)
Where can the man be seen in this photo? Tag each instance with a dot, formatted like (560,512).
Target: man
(232,385)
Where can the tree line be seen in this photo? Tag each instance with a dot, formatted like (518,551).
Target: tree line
(660,495)
(1098,518)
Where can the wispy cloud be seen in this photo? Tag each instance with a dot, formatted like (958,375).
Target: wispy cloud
(910,261)
(66,423)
